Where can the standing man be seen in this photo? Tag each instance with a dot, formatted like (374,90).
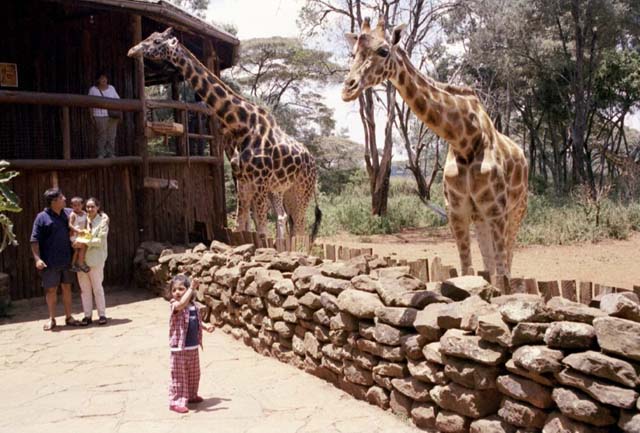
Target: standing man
(52,252)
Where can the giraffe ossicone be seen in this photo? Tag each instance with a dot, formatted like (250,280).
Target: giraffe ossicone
(270,167)
(485,173)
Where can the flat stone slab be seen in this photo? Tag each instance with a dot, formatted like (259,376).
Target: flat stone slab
(618,336)
(521,414)
(470,374)
(427,372)
(601,391)
(563,309)
(570,335)
(622,305)
(604,366)
(492,424)
(412,388)
(526,390)
(457,343)
(528,333)
(520,307)
(539,359)
(460,288)
(578,406)
(426,322)
(403,317)
(558,423)
(465,401)
(359,304)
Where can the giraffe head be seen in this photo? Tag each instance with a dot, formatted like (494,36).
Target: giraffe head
(158,46)
(374,58)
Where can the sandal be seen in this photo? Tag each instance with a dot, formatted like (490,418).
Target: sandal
(50,325)
(71,321)
(84,268)
(86,321)
(102,320)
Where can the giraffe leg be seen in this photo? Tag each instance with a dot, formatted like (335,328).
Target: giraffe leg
(281,214)
(485,241)
(498,232)
(261,208)
(243,207)
(513,225)
(459,225)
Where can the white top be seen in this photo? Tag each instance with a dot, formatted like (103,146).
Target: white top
(109,93)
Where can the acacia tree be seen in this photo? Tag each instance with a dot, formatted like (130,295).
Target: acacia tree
(319,18)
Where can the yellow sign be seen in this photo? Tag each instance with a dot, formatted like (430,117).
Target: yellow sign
(8,75)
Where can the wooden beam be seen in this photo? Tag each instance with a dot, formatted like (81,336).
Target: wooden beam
(81,164)
(179,105)
(66,133)
(68,100)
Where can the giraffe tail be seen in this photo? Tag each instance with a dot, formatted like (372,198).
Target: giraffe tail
(315,228)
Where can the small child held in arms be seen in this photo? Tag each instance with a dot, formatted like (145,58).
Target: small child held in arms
(185,335)
(78,231)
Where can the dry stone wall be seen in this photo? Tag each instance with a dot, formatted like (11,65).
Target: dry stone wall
(453,357)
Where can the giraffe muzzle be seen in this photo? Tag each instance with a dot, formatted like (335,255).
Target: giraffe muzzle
(350,89)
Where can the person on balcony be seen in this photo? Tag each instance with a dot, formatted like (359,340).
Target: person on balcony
(105,121)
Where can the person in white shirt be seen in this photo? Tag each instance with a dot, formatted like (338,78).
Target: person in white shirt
(106,125)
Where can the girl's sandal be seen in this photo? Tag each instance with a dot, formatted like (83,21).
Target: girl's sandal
(50,325)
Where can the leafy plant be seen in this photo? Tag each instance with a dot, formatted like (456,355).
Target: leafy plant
(9,202)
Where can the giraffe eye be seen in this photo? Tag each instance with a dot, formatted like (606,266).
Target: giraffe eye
(382,52)
(157,41)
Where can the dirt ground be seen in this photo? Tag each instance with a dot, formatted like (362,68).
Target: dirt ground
(612,263)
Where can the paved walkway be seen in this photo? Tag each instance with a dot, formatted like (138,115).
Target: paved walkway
(114,378)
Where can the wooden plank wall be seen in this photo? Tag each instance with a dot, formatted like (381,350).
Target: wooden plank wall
(201,199)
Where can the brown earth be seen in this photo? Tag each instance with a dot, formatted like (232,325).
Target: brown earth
(611,262)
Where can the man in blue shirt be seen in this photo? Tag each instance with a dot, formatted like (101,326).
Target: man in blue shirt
(52,253)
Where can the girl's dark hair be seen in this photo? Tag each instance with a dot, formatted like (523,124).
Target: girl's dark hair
(51,194)
(186,282)
(100,74)
(96,202)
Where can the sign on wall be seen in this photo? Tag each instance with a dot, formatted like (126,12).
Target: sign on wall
(8,75)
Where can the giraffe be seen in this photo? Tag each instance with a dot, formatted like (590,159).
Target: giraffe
(270,167)
(485,173)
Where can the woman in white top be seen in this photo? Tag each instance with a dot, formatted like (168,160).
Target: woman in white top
(106,126)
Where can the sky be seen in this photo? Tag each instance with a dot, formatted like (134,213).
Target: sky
(266,18)
(278,18)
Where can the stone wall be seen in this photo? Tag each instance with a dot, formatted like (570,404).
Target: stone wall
(452,356)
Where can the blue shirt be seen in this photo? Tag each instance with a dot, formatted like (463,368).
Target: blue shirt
(192,330)
(51,232)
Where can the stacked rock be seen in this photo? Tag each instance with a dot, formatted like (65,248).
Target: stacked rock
(453,356)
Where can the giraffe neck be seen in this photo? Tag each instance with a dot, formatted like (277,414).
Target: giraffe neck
(453,113)
(232,110)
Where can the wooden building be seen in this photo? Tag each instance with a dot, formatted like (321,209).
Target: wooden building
(51,51)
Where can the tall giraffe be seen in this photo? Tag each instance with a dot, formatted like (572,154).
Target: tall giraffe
(270,167)
(485,173)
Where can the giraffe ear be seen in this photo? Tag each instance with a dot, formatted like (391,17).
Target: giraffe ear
(168,31)
(352,38)
(396,33)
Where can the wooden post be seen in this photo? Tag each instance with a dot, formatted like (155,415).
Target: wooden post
(517,285)
(569,290)
(66,133)
(502,283)
(548,289)
(636,290)
(436,269)
(531,286)
(586,289)
(141,140)
(330,252)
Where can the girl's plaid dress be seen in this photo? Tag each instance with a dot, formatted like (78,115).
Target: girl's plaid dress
(185,364)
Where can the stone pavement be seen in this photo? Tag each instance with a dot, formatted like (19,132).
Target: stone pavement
(114,378)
